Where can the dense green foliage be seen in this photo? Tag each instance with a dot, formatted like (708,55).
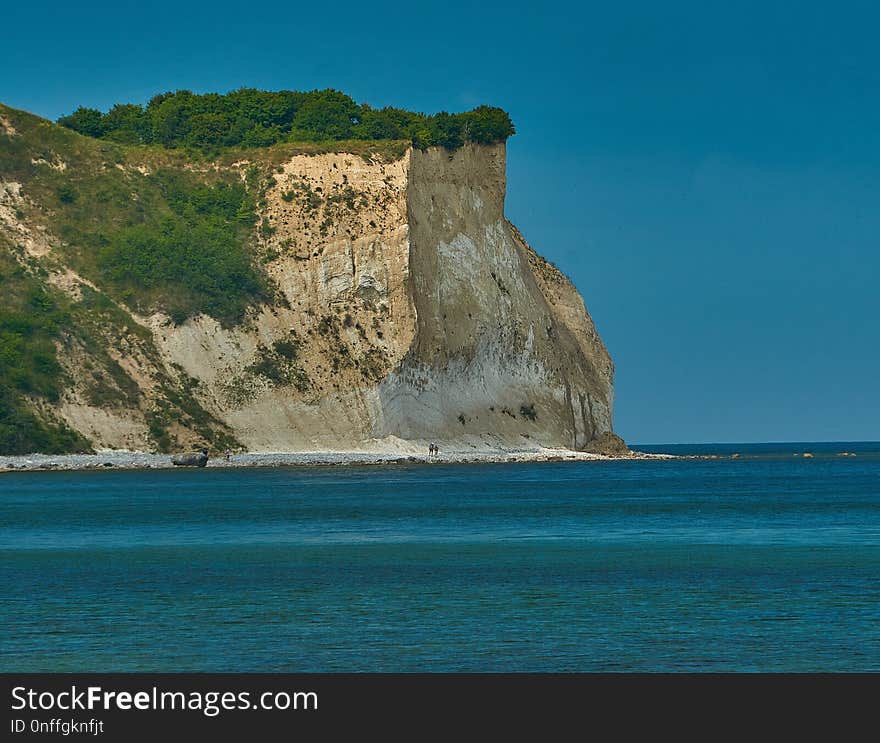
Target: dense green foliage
(151,231)
(30,323)
(193,259)
(254,118)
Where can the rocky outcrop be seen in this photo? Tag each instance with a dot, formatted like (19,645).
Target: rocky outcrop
(608,444)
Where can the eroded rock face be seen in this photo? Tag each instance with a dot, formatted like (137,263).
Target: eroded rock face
(420,313)
(339,255)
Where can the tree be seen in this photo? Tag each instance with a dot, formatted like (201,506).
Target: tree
(488,125)
(258,118)
(327,114)
(88,121)
(127,123)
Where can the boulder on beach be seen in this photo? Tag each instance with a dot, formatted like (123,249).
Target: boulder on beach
(196,459)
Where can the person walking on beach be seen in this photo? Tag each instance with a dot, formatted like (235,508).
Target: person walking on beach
(228,454)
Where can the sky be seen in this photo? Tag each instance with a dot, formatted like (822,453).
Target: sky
(707,174)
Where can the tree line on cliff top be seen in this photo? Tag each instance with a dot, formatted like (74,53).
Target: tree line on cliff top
(255,118)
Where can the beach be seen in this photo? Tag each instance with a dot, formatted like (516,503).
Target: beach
(121,459)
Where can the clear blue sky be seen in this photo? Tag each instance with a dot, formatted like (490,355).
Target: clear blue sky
(707,173)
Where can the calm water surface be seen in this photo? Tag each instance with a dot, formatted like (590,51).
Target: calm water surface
(766,562)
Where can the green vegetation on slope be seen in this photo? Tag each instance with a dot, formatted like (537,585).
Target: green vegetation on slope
(158,237)
(30,323)
(190,259)
(255,118)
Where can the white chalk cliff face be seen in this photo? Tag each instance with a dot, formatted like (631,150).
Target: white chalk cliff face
(417,311)
(504,351)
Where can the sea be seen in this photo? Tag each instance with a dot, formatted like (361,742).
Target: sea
(769,561)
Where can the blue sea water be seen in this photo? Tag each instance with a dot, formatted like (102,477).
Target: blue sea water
(767,562)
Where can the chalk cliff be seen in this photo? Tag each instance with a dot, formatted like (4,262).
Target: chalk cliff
(405,308)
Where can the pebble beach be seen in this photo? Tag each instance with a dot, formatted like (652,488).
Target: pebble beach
(116,459)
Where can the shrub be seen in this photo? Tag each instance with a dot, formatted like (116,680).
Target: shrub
(66,194)
(189,261)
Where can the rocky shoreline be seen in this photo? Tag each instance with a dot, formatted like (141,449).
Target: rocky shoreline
(130,460)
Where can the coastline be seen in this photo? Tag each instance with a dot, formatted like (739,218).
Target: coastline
(133,460)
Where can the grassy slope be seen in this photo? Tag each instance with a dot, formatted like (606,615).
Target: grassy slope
(31,322)
(119,227)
